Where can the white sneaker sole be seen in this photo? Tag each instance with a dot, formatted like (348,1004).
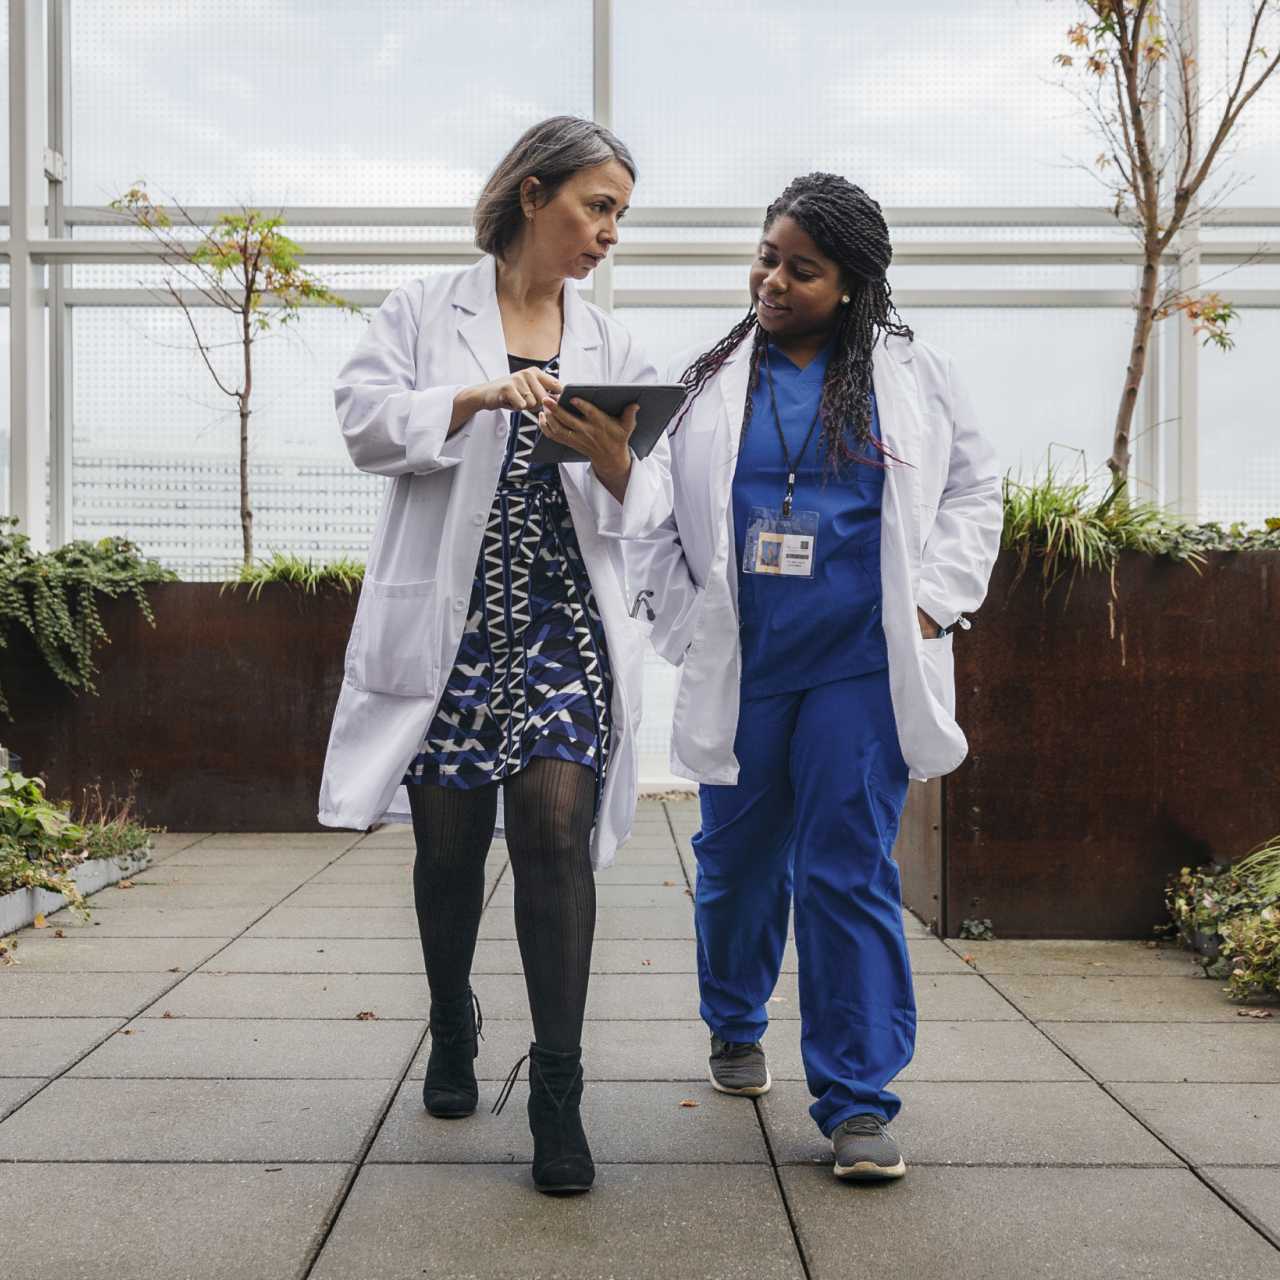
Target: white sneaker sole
(749,1091)
(869,1171)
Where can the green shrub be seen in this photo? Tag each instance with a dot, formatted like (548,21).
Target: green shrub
(53,595)
(41,843)
(1074,526)
(1231,916)
(343,574)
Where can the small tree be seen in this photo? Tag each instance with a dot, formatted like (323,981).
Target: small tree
(1135,59)
(243,265)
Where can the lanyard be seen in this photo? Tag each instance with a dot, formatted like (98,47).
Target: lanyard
(792,467)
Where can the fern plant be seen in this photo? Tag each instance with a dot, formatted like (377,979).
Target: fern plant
(53,595)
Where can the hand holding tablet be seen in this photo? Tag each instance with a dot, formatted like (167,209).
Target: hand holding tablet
(656,404)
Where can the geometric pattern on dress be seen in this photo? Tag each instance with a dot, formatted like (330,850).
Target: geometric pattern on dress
(532,675)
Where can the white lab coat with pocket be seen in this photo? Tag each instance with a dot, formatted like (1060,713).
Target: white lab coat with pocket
(429,340)
(940,531)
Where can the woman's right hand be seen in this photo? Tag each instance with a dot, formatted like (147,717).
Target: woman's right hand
(523,390)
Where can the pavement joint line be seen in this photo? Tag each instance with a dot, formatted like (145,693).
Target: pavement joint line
(178,979)
(684,866)
(1106,1088)
(782,1191)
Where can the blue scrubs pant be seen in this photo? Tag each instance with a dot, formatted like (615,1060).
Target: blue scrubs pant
(812,819)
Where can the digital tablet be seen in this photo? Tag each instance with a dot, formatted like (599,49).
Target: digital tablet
(658,403)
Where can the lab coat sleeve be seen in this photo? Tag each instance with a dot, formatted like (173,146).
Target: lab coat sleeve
(391,426)
(961,549)
(647,501)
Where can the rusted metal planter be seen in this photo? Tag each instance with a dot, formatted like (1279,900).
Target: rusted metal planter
(1105,752)
(222,712)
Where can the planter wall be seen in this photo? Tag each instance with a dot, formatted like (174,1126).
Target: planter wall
(223,710)
(1099,765)
(21,906)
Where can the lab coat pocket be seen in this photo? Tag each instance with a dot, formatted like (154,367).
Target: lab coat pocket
(391,648)
(938,662)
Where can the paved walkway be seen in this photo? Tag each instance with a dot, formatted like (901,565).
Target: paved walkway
(220,1077)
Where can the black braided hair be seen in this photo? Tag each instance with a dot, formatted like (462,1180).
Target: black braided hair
(847,225)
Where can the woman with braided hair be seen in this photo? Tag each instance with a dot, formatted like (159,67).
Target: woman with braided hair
(854,517)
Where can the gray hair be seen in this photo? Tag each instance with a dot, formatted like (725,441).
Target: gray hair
(551,151)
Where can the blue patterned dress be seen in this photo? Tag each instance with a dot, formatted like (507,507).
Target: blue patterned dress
(532,674)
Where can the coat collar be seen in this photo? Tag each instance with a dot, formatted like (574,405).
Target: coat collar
(476,296)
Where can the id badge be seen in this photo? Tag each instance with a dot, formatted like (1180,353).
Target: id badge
(783,546)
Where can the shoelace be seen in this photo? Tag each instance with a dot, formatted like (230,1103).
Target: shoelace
(732,1049)
(864,1124)
(505,1092)
(509,1085)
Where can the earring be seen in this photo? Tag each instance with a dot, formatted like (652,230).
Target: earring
(845,299)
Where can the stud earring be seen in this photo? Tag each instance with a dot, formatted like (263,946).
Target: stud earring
(845,299)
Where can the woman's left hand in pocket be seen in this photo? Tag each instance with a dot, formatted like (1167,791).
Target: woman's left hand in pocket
(928,628)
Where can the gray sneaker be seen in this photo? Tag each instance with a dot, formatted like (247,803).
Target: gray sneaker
(864,1150)
(738,1068)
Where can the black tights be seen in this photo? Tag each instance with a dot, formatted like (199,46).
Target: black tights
(548,811)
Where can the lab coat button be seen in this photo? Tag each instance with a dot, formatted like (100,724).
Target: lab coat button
(478,518)
(459,602)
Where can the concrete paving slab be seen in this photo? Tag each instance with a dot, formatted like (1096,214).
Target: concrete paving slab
(78,995)
(636,873)
(16,1090)
(217,1222)
(622,955)
(287,1049)
(631,1123)
(279,860)
(320,955)
(219,994)
(611,922)
(317,841)
(931,955)
(642,1222)
(1118,999)
(1077,957)
(389,893)
(914,927)
(197,1120)
(42,952)
(165,843)
(159,922)
(1053,1224)
(1211,1123)
(336,922)
(213,872)
(989,1051)
(1255,1193)
(669,892)
(376,873)
(385,855)
(972,1123)
(46,1046)
(148,895)
(1116,1051)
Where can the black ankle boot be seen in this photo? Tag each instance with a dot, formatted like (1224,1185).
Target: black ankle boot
(449,1090)
(561,1157)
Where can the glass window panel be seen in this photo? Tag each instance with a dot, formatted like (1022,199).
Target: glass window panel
(931,103)
(156,446)
(1250,174)
(4,408)
(4,111)
(391,102)
(1240,423)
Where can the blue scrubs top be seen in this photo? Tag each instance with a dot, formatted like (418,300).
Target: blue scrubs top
(798,633)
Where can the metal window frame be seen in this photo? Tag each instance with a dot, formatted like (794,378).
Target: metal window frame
(41,243)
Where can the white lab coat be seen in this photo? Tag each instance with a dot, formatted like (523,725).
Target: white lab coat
(940,531)
(394,397)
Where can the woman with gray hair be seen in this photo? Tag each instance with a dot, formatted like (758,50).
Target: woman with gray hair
(492,644)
